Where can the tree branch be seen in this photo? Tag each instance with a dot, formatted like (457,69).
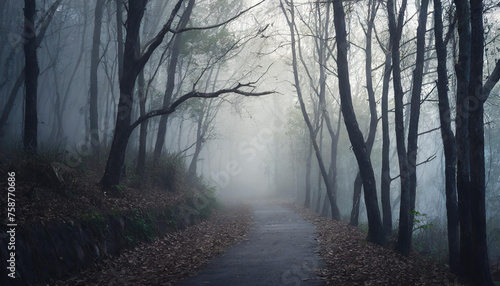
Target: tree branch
(192,94)
(491,81)
(158,39)
(219,24)
(46,21)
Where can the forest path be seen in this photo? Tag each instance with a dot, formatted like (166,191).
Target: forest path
(280,250)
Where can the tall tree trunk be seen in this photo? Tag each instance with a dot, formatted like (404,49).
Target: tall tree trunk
(143,133)
(375,231)
(198,145)
(122,132)
(307,201)
(94,64)
(131,68)
(119,35)
(312,133)
(169,89)
(31,78)
(372,12)
(325,209)
(385,179)
(449,144)
(395,30)
(415,115)
(332,171)
(481,273)
(31,43)
(356,199)
(319,182)
(462,69)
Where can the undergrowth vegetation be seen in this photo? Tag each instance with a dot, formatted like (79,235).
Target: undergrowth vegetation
(56,183)
(430,238)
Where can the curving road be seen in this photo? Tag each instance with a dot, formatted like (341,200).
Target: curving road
(280,250)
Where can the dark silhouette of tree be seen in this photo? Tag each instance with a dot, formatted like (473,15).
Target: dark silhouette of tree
(312,131)
(481,272)
(413,125)
(375,230)
(462,70)
(132,65)
(449,144)
(372,12)
(94,64)
(31,71)
(171,71)
(395,30)
(385,180)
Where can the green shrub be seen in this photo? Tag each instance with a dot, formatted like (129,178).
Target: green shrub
(140,228)
(431,239)
(169,172)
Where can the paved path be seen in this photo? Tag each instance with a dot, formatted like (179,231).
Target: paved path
(280,250)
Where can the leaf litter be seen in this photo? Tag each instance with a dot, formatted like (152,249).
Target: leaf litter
(171,258)
(351,260)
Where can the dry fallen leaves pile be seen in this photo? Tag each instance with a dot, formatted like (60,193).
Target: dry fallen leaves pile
(169,259)
(353,261)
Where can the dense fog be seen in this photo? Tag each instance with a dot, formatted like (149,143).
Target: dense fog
(252,145)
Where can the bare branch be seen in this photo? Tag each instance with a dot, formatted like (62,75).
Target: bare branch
(491,81)
(219,24)
(192,94)
(156,41)
(46,21)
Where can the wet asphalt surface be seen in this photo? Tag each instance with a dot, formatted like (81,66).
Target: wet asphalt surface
(279,250)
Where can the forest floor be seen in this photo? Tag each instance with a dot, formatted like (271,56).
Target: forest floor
(171,258)
(347,258)
(351,260)
(49,191)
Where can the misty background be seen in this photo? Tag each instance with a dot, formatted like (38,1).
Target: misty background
(251,147)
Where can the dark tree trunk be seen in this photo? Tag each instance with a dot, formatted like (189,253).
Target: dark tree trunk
(169,89)
(386,171)
(143,133)
(481,273)
(373,108)
(31,78)
(332,171)
(449,144)
(31,43)
(462,69)
(312,132)
(131,68)
(307,201)
(122,132)
(395,29)
(375,231)
(356,198)
(318,198)
(325,209)
(119,35)
(94,64)
(199,141)
(415,115)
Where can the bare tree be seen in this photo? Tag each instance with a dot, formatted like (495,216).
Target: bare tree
(375,230)
(312,132)
(94,64)
(449,144)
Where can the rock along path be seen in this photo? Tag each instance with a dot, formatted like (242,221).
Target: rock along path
(280,250)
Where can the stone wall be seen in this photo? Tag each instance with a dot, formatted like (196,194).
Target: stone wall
(51,249)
